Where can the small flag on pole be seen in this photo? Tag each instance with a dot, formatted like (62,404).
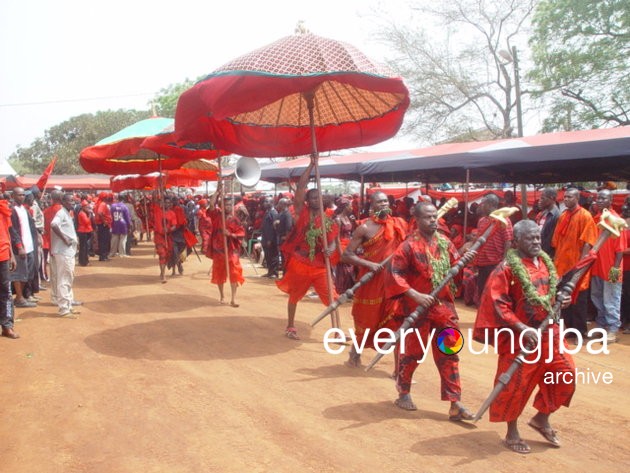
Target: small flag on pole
(43,180)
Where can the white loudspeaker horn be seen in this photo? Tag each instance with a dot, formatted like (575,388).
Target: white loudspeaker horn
(247,171)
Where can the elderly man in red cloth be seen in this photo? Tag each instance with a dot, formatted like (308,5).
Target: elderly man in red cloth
(164,222)
(418,266)
(303,247)
(518,297)
(234,234)
(378,237)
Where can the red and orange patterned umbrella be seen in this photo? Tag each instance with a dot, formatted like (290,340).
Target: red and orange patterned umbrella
(271,101)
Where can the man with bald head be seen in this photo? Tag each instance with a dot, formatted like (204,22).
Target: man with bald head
(497,244)
(24,241)
(607,274)
(547,218)
(378,237)
(574,236)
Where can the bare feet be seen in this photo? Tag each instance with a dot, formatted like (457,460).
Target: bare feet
(234,304)
(405,402)
(353,361)
(9,333)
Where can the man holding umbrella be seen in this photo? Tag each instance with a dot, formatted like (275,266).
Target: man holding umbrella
(306,264)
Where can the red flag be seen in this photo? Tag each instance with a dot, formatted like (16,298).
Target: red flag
(41,183)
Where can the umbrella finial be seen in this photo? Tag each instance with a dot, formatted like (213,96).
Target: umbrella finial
(301,28)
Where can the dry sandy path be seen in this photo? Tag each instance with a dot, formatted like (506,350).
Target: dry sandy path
(162,378)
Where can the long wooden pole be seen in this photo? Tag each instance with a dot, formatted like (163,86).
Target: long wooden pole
(309,100)
(225,246)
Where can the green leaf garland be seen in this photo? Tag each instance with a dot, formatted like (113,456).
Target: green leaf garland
(314,233)
(515,263)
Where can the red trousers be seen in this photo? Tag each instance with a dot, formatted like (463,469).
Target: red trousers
(437,318)
(510,403)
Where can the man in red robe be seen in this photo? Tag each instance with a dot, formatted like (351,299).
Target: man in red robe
(378,236)
(306,265)
(418,266)
(574,236)
(234,234)
(164,222)
(505,306)
(205,225)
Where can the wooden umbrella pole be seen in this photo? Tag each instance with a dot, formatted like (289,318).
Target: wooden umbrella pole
(466,185)
(225,246)
(309,100)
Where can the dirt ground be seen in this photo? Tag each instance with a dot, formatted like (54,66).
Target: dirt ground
(162,378)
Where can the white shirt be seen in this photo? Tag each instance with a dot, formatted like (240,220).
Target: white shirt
(25,229)
(63,221)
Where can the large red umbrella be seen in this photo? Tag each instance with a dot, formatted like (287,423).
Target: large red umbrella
(170,178)
(146,146)
(299,95)
(265,103)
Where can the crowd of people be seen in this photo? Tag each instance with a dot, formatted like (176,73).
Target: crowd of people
(406,246)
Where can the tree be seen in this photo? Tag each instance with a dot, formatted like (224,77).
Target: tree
(459,82)
(580,50)
(165,101)
(67,139)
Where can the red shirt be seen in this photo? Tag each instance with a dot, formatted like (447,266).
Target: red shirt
(49,214)
(493,251)
(85,223)
(103,215)
(5,224)
(606,254)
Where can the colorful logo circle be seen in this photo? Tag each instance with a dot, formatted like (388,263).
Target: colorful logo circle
(450,341)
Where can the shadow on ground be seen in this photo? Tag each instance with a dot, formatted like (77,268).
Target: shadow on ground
(471,446)
(103,281)
(198,338)
(366,413)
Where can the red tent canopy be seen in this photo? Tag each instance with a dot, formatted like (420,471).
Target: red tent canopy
(66,182)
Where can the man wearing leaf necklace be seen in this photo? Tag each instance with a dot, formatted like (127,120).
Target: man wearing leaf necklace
(304,250)
(418,266)
(378,237)
(518,296)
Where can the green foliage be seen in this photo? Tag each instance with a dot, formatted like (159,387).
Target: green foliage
(581,49)
(165,101)
(67,139)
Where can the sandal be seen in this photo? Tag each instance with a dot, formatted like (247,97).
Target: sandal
(517,445)
(547,432)
(462,414)
(291,333)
